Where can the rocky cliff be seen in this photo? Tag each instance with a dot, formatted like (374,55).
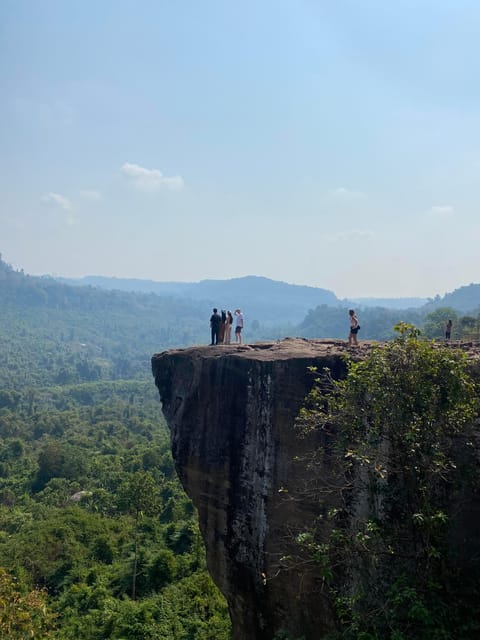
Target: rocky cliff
(231,411)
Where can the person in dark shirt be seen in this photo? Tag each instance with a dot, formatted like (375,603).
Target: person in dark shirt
(215,321)
(448,330)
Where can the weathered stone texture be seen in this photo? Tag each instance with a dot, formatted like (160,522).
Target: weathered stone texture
(231,412)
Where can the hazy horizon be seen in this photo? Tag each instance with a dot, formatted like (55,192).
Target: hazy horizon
(246,275)
(333,145)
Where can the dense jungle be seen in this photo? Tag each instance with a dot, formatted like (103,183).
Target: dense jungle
(97,538)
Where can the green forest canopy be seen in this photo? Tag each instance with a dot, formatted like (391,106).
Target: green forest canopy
(81,433)
(82,552)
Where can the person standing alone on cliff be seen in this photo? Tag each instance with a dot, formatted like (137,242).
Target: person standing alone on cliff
(238,326)
(448,330)
(215,321)
(354,328)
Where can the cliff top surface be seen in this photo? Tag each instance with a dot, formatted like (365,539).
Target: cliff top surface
(273,350)
(288,348)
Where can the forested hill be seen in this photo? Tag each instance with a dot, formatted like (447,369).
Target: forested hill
(99,324)
(464,299)
(387,303)
(79,417)
(271,303)
(267,301)
(56,333)
(97,538)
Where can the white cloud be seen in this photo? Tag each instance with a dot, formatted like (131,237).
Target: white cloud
(344,193)
(150,179)
(441,211)
(91,194)
(57,200)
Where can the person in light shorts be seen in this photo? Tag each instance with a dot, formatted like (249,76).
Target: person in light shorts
(238,326)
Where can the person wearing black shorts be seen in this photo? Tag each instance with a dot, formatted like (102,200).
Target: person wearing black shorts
(354,328)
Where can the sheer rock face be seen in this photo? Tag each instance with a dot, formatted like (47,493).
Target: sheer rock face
(231,412)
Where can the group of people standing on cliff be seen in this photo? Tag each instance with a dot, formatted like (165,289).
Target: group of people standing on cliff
(221,326)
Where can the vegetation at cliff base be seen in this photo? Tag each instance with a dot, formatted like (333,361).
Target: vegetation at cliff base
(400,559)
(97,537)
(93,520)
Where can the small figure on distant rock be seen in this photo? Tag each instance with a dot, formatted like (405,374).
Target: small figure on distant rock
(354,329)
(215,321)
(448,330)
(228,328)
(221,331)
(238,326)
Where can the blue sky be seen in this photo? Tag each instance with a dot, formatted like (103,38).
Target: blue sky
(335,144)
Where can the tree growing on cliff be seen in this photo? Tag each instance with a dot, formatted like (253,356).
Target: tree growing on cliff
(403,427)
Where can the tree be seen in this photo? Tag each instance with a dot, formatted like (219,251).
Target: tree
(51,461)
(470,327)
(9,399)
(57,460)
(403,425)
(162,570)
(434,323)
(137,496)
(23,615)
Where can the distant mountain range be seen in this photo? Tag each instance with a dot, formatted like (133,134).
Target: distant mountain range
(387,303)
(269,301)
(142,316)
(276,303)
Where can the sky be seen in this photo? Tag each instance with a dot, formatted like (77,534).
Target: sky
(332,144)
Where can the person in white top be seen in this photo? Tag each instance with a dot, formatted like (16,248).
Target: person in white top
(238,326)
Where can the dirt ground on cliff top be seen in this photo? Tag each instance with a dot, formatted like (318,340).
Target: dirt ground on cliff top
(301,347)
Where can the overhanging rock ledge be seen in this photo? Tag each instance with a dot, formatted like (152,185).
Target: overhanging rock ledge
(231,412)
